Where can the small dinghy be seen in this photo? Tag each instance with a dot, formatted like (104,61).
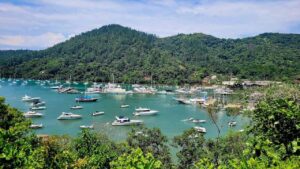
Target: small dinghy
(76,107)
(124,106)
(36,126)
(87,127)
(97,113)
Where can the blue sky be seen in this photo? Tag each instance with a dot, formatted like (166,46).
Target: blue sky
(38,24)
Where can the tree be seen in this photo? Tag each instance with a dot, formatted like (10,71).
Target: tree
(151,141)
(279,121)
(136,160)
(18,147)
(191,148)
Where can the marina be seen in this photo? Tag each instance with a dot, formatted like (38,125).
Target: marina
(169,115)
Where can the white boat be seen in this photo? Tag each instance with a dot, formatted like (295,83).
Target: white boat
(232,123)
(200,129)
(124,106)
(76,107)
(95,89)
(183,101)
(56,87)
(97,113)
(38,108)
(144,90)
(86,127)
(198,121)
(32,114)
(37,104)
(125,121)
(27,98)
(36,126)
(113,88)
(144,112)
(69,116)
(197,100)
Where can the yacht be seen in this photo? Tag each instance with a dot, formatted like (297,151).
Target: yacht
(200,129)
(95,89)
(198,121)
(27,98)
(183,101)
(232,123)
(97,113)
(69,116)
(113,88)
(124,106)
(76,107)
(36,126)
(86,99)
(144,90)
(197,100)
(32,114)
(87,127)
(125,121)
(38,108)
(144,112)
(68,90)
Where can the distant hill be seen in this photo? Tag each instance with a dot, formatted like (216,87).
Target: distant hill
(133,57)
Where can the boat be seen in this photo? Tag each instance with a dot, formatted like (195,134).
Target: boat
(36,126)
(38,108)
(68,90)
(144,90)
(113,88)
(69,116)
(95,89)
(56,87)
(197,100)
(76,107)
(124,106)
(232,123)
(97,113)
(27,98)
(198,121)
(87,127)
(37,104)
(125,121)
(183,101)
(86,99)
(200,129)
(32,114)
(144,112)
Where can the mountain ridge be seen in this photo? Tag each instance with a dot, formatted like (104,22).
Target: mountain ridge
(132,56)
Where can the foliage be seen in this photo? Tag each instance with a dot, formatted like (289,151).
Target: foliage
(134,56)
(136,160)
(279,121)
(151,141)
(191,144)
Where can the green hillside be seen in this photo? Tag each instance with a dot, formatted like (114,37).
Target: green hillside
(133,57)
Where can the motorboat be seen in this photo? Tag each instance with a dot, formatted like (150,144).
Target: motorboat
(37,104)
(113,88)
(32,114)
(144,112)
(125,121)
(27,98)
(198,121)
(38,108)
(87,127)
(197,100)
(124,106)
(97,113)
(200,129)
(76,107)
(144,90)
(95,89)
(36,126)
(86,99)
(69,116)
(68,90)
(232,123)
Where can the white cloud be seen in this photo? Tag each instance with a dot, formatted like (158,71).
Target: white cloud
(40,41)
(226,19)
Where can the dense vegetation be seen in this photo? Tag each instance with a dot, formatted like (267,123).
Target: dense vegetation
(272,140)
(134,56)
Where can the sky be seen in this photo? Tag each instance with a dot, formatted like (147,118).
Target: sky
(38,24)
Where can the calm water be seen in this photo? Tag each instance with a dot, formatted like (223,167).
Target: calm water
(169,120)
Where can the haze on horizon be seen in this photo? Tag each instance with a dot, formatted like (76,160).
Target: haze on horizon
(38,24)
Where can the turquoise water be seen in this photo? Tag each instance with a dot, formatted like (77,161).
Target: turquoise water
(169,120)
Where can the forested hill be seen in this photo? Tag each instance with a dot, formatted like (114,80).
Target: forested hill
(133,57)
